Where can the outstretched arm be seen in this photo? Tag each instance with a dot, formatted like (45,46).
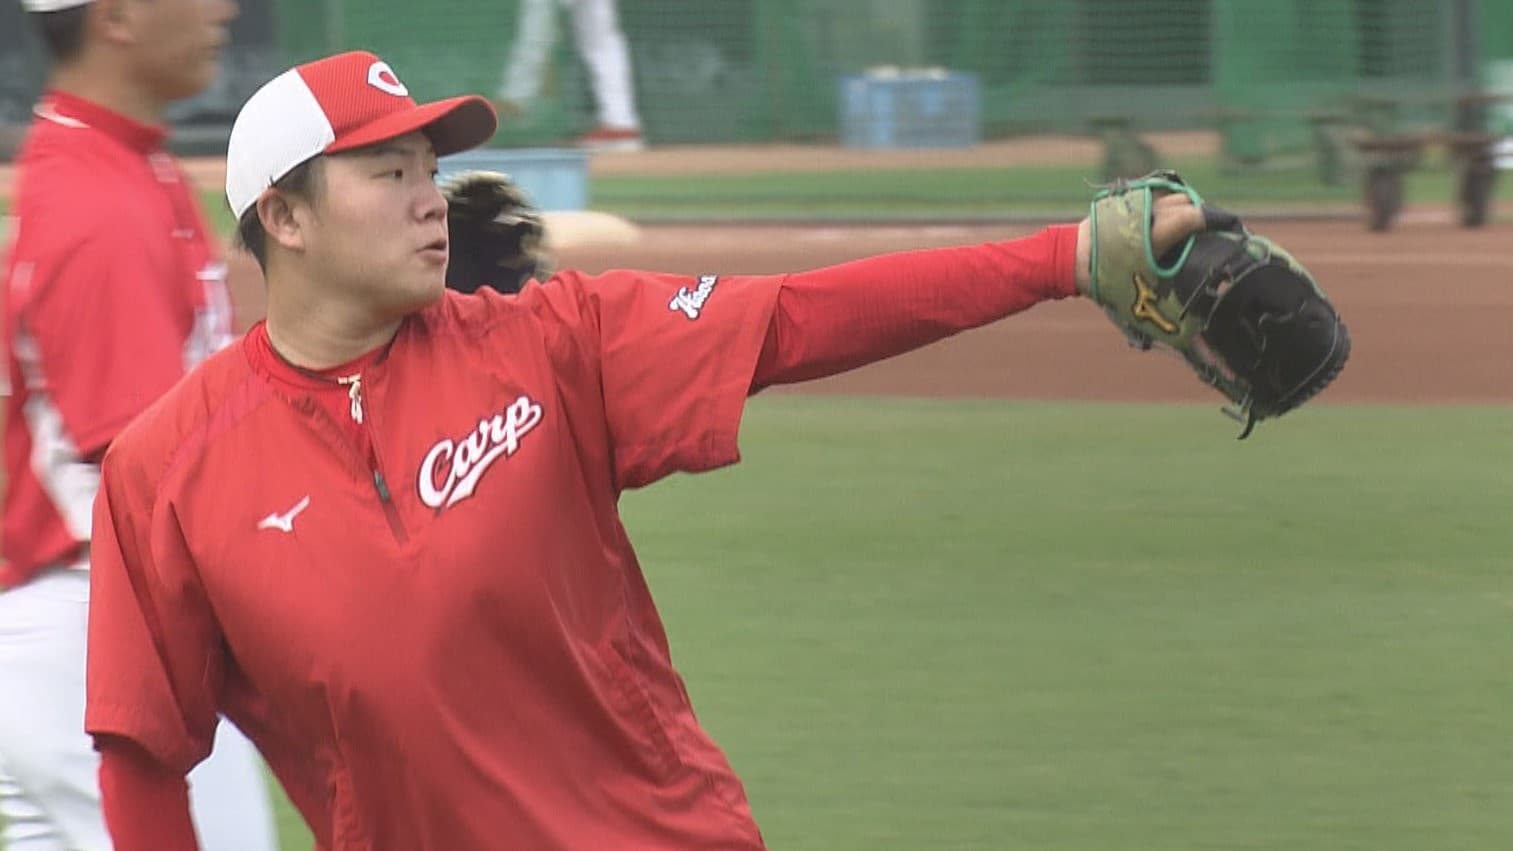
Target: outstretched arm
(841,317)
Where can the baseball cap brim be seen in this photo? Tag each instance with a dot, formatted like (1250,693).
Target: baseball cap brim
(453,125)
(51,5)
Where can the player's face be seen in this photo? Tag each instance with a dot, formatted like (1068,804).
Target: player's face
(380,230)
(176,44)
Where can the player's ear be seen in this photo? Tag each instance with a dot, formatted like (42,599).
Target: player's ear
(281,222)
(114,20)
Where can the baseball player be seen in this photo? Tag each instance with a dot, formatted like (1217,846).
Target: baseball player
(112,291)
(605,52)
(381,533)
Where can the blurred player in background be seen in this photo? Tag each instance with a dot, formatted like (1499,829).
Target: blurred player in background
(604,50)
(382,533)
(113,289)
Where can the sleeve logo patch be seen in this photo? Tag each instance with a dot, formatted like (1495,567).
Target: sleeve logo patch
(691,302)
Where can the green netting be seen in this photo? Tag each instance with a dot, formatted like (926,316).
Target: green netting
(1497,29)
(733,70)
(1267,73)
(1497,25)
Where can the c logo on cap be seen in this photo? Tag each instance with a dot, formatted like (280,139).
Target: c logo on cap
(382,77)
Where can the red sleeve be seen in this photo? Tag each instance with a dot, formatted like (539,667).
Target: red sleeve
(676,357)
(146,803)
(841,317)
(109,328)
(153,661)
(669,357)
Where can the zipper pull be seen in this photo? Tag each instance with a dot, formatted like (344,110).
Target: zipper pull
(382,486)
(354,392)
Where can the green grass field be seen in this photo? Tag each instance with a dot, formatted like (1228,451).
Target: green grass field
(924,194)
(1042,192)
(1078,627)
(985,625)
(951,193)
(990,625)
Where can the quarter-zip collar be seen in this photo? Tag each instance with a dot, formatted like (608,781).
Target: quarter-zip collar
(298,381)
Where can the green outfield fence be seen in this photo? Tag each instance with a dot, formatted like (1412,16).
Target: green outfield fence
(766,70)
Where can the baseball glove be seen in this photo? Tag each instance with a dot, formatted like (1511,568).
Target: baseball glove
(1244,314)
(495,233)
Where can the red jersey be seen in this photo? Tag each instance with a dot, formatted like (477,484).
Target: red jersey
(445,640)
(112,291)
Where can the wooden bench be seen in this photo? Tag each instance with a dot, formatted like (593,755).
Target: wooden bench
(1369,135)
(1469,109)
(1392,147)
(1126,154)
(1326,148)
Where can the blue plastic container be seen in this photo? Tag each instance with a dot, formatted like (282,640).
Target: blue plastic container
(554,178)
(910,110)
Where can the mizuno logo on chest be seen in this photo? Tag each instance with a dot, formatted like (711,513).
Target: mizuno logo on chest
(451,470)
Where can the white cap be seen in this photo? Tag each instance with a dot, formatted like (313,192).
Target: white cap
(51,5)
(342,102)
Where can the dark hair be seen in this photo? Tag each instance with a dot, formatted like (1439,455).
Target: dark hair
(302,181)
(62,32)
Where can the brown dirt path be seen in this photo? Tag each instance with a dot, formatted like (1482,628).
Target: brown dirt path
(761,159)
(1430,308)
(1430,305)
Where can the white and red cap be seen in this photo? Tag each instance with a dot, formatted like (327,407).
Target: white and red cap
(51,5)
(335,104)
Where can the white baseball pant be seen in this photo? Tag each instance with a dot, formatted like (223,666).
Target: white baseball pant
(601,43)
(49,787)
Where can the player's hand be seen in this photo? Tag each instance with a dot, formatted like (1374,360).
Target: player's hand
(1173,219)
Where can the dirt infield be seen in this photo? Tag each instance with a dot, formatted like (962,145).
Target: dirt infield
(1430,305)
(675,160)
(1430,308)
